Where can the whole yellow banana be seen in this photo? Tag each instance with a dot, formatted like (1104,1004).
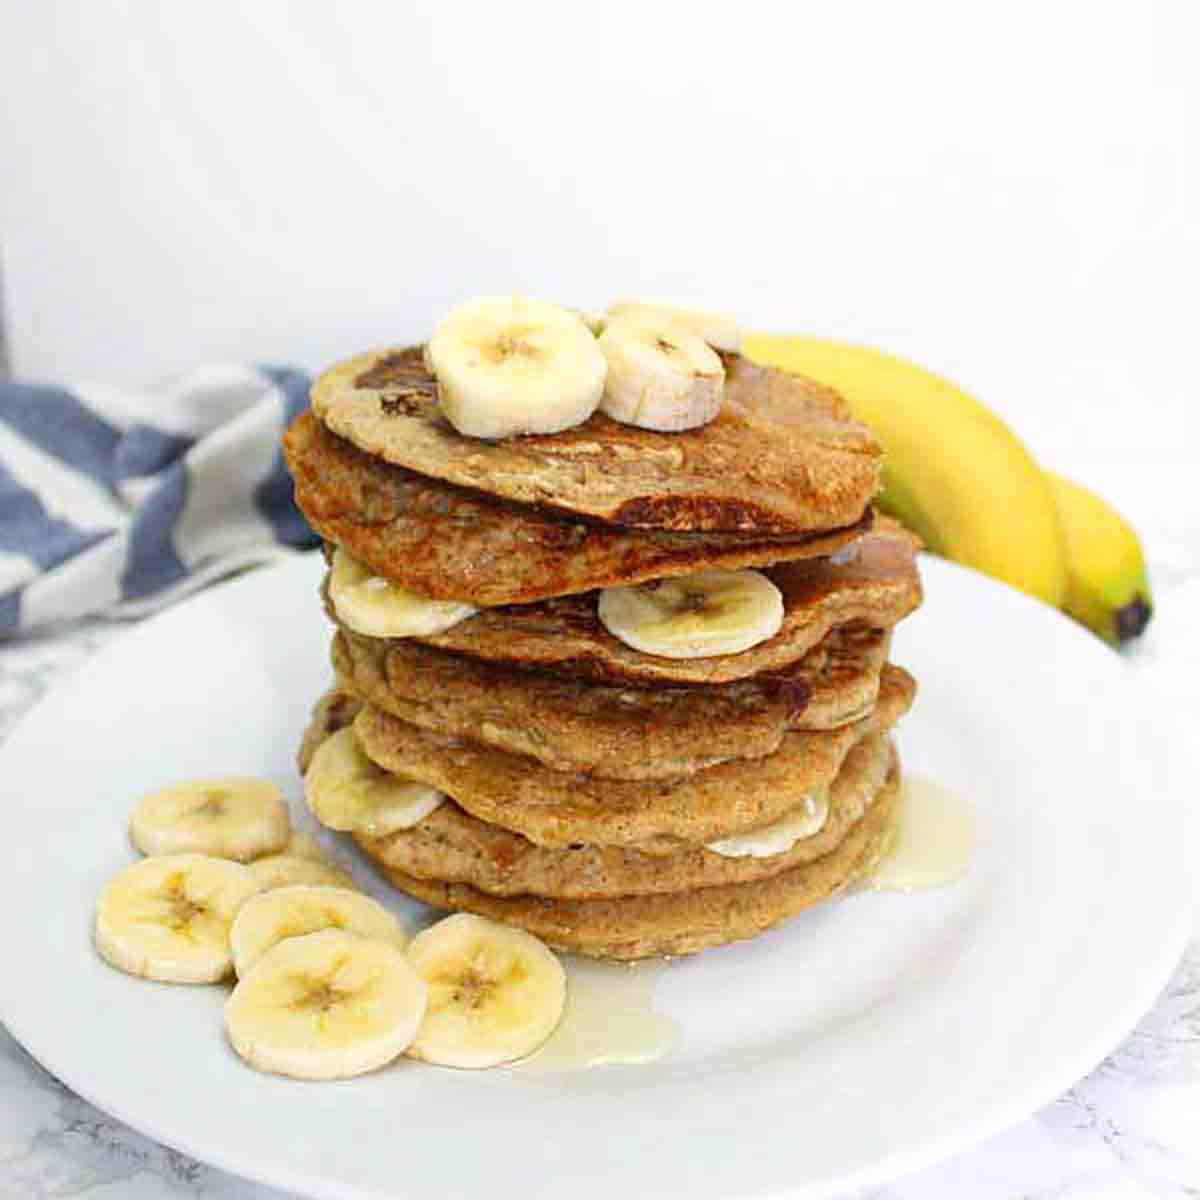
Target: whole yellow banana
(1107,586)
(953,472)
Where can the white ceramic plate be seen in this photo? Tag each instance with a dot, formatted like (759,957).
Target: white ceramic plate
(868,1037)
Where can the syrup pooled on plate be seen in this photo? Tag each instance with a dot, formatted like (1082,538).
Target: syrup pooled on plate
(931,842)
(609,1018)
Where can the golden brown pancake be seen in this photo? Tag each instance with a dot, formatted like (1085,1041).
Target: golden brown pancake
(454,544)
(877,586)
(451,846)
(333,711)
(782,456)
(558,808)
(613,732)
(678,922)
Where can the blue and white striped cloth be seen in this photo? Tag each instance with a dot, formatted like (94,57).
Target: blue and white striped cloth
(117,503)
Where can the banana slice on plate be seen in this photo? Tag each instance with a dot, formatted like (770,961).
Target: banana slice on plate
(228,818)
(719,331)
(780,836)
(506,365)
(347,791)
(375,607)
(660,375)
(304,845)
(695,616)
(168,917)
(495,993)
(326,1005)
(286,912)
(594,321)
(287,870)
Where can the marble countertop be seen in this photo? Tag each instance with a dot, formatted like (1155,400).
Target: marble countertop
(1129,1129)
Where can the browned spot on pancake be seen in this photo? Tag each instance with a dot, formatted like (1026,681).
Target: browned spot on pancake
(696,512)
(401,402)
(404,367)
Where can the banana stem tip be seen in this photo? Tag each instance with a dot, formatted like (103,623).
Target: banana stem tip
(1132,619)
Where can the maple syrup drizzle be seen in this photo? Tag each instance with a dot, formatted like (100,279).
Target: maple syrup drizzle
(930,843)
(609,1019)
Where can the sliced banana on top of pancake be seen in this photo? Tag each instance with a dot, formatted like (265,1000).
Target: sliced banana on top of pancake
(780,836)
(325,1005)
(233,817)
(376,607)
(286,912)
(168,917)
(695,616)
(347,791)
(719,331)
(496,993)
(506,365)
(660,374)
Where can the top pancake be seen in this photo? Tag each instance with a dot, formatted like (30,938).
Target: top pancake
(455,544)
(781,457)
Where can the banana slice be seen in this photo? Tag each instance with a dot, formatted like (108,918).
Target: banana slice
(287,870)
(506,365)
(696,616)
(227,818)
(327,1005)
(347,791)
(374,607)
(495,993)
(594,321)
(719,331)
(168,917)
(780,836)
(287,912)
(304,845)
(660,375)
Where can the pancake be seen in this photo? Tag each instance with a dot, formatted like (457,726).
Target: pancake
(878,585)
(557,808)
(451,846)
(613,732)
(782,456)
(678,922)
(333,711)
(454,544)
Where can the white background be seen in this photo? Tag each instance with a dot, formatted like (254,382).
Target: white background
(999,191)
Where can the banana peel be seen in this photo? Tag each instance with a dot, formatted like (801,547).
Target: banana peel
(958,477)
(1108,589)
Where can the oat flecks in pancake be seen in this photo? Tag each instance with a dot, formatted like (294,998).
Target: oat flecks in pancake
(454,544)
(452,846)
(611,731)
(878,586)
(557,808)
(680,922)
(782,456)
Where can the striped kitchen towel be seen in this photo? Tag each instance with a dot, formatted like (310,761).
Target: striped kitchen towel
(114,502)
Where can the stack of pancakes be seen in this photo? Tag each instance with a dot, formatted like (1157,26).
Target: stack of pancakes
(599,796)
